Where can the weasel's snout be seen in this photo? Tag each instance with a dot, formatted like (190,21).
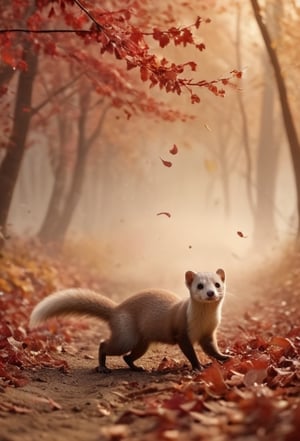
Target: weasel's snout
(210,294)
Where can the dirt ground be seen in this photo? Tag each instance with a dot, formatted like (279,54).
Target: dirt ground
(83,404)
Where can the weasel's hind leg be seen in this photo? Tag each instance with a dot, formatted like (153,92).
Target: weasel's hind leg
(136,353)
(110,347)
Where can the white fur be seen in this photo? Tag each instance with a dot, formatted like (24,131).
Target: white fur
(209,282)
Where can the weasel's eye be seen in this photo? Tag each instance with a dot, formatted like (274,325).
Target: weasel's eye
(217,285)
(200,286)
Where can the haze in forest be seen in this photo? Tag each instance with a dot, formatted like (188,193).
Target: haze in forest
(230,193)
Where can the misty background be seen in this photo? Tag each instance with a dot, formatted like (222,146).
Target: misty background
(230,191)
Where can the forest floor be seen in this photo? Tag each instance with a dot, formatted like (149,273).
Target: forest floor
(50,390)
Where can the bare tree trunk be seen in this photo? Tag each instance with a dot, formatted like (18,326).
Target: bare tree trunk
(72,200)
(58,192)
(290,127)
(267,167)
(10,166)
(244,119)
(63,218)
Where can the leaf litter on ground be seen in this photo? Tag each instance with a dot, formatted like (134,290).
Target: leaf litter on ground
(256,393)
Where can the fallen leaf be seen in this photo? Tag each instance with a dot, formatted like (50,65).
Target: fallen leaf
(19,409)
(214,379)
(254,376)
(103,411)
(53,404)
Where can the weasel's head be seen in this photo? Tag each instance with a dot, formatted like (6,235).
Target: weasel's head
(206,287)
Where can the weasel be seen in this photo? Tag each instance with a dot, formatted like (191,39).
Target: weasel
(153,315)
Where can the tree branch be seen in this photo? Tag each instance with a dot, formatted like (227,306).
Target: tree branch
(48,31)
(54,94)
(78,3)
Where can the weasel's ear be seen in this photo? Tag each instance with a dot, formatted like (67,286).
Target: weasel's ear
(221,273)
(189,277)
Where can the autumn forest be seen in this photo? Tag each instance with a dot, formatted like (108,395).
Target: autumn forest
(140,140)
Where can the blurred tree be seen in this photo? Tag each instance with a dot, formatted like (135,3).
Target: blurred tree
(73,32)
(268,146)
(288,118)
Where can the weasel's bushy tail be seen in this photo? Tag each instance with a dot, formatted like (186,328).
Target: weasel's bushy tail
(73,301)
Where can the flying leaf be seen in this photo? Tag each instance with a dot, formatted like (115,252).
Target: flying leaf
(174,150)
(241,234)
(207,127)
(210,165)
(195,98)
(166,213)
(166,163)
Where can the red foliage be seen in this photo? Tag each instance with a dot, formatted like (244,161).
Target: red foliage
(109,27)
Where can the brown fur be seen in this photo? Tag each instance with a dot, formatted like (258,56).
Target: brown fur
(149,316)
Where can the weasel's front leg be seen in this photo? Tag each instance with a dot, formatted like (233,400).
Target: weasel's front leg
(210,347)
(187,348)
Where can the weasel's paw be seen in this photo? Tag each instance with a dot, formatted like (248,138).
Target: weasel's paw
(197,368)
(103,370)
(131,364)
(137,368)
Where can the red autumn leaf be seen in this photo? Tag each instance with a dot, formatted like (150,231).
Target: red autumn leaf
(214,379)
(166,163)
(164,40)
(144,73)
(201,46)
(187,36)
(284,343)
(237,73)
(130,65)
(198,22)
(175,402)
(241,234)
(166,213)
(192,65)
(195,98)
(174,150)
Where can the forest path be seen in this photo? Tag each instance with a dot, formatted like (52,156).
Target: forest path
(83,404)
